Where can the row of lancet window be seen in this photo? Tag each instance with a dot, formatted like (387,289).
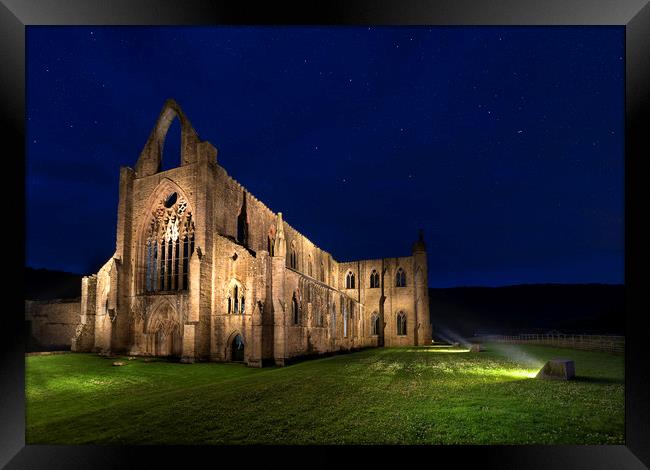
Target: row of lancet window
(400,279)
(401,324)
(296,310)
(319,317)
(168,245)
(293,260)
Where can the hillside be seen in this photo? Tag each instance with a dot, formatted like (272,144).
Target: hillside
(533,308)
(45,284)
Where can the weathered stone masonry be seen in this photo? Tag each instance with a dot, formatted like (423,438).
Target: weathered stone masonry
(203,270)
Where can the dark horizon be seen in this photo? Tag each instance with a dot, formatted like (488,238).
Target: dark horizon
(504,144)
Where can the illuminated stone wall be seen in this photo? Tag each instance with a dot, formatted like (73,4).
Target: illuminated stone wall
(52,323)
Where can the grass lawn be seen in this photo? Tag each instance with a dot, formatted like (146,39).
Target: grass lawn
(433,395)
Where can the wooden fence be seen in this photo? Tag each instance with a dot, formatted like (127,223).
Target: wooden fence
(613,344)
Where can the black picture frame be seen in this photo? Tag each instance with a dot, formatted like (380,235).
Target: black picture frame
(633,15)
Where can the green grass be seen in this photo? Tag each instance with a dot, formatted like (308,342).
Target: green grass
(392,395)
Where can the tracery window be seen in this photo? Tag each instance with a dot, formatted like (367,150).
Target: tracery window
(374,324)
(236,300)
(400,278)
(374,279)
(349,280)
(401,324)
(168,245)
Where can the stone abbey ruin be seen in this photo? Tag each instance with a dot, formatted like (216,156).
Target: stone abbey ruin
(204,271)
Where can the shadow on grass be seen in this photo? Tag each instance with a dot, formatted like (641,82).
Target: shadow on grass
(598,380)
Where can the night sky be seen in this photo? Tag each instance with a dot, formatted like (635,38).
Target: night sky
(506,145)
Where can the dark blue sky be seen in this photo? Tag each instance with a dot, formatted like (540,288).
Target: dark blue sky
(505,145)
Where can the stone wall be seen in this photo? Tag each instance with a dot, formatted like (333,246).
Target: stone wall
(52,323)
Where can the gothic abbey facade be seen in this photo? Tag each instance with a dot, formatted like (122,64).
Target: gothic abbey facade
(203,270)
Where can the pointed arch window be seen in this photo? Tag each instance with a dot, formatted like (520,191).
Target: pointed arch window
(374,279)
(293,256)
(242,223)
(374,324)
(401,324)
(349,280)
(236,301)
(400,278)
(167,245)
(295,310)
(270,246)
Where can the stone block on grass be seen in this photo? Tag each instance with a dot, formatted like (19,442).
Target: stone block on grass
(475,348)
(561,369)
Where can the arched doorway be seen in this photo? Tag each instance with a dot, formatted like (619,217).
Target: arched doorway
(237,348)
(163,331)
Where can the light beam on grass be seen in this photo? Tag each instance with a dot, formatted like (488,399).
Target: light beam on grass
(456,338)
(506,372)
(516,354)
(440,350)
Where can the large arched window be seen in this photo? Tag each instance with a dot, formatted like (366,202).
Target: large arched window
(295,310)
(374,279)
(349,280)
(401,324)
(400,278)
(167,246)
(374,324)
